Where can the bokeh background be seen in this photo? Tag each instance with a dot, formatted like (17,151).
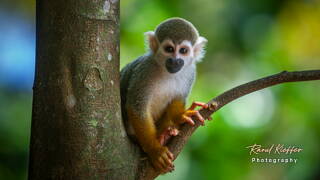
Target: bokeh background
(248,39)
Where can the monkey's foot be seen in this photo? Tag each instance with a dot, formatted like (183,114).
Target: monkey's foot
(166,134)
(162,160)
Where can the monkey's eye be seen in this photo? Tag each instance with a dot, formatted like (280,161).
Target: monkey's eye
(183,50)
(169,49)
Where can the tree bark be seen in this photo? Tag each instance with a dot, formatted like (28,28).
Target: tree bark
(77,131)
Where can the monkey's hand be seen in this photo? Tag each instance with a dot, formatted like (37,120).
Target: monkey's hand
(161,159)
(191,112)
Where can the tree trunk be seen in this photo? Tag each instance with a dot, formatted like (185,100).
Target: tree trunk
(77,131)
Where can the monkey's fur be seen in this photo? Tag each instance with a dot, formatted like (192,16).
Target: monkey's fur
(155,86)
(183,30)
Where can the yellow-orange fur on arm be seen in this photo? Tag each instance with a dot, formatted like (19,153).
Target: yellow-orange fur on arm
(172,116)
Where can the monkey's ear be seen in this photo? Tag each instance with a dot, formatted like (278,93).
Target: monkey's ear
(152,41)
(198,49)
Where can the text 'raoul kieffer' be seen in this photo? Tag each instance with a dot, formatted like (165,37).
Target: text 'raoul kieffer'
(275,149)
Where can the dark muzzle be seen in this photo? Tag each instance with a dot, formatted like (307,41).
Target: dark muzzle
(174,65)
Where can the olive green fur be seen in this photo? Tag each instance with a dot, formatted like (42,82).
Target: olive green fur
(177,30)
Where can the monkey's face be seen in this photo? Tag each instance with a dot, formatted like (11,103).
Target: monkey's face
(175,57)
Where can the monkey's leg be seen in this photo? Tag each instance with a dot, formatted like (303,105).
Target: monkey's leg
(146,134)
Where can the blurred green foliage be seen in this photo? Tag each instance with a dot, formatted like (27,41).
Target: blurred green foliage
(247,39)
(15,119)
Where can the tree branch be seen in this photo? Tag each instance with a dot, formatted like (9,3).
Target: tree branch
(177,143)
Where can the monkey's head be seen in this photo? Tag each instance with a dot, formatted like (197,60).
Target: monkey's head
(176,44)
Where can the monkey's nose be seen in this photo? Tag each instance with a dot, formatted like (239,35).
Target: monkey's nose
(179,62)
(174,65)
(175,62)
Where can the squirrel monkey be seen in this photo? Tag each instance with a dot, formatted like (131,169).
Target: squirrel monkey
(155,86)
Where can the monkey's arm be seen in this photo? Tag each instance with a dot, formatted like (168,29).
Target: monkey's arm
(146,135)
(175,115)
(172,116)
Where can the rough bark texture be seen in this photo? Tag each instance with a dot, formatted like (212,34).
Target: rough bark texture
(177,143)
(77,131)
